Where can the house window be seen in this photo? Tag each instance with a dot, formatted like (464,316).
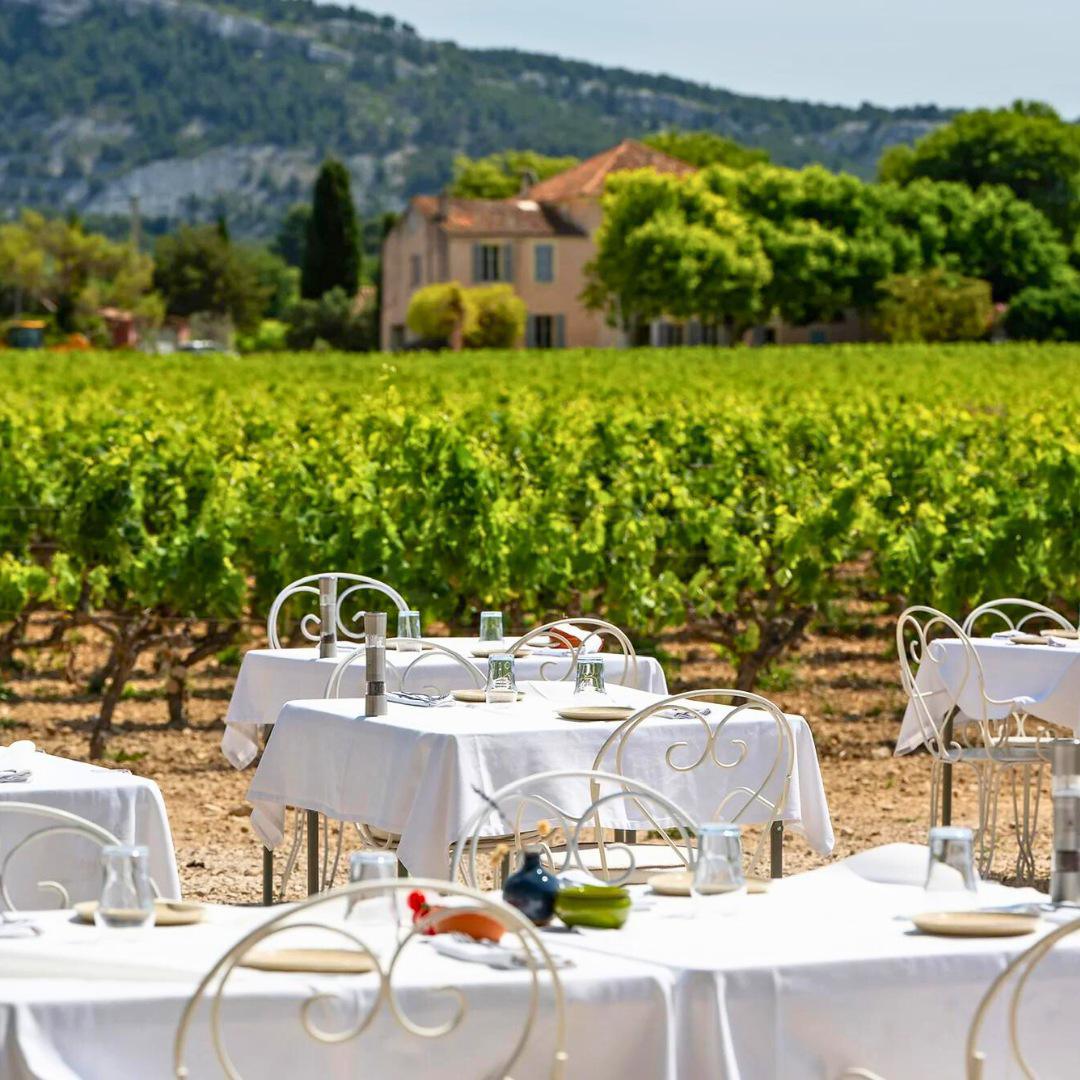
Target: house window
(544,263)
(819,337)
(545,332)
(416,273)
(492,262)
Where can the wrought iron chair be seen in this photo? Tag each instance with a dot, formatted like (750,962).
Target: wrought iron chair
(988,744)
(383,964)
(64,823)
(552,670)
(1016,614)
(309,585)
(506,809)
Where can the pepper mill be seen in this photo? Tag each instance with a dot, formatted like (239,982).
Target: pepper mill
(327,617)
(375,662)
(1065,875)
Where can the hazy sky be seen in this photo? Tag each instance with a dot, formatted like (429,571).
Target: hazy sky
(950,52)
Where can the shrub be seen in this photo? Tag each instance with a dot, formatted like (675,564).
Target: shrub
(934,306)
(332,320)
(436,311)
(1045,314)
(495,317)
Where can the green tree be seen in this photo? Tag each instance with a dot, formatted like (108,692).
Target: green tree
(1028,148)
(196,270)
(291,237)
(704,148)
(1041,314)
(436,312)
(499,176)
(330,321)
(332,248)
(935,306)
(495,317)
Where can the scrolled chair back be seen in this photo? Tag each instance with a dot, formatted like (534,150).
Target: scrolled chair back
(552,670)
(1021,967)
(432,650)
(334,921)
(63,823)
(309,585)
(509,812)
(759,790)
(1016,614)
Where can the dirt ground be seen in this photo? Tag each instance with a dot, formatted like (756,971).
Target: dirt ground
(847,688)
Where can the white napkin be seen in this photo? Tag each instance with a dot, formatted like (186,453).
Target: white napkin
(486,952)
(14,776)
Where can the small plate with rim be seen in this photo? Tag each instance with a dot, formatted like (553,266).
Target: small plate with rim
(493,648)
(1065,635)
(1030,639)
(166,912)
(677,883)
(476,697)
(315,961)
(975,923)
(587,713)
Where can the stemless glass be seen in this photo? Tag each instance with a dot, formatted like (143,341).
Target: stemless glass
(718,882)
(951,880)
(501,686)
(408,631)
(127,900)
(589,688)
(379,907)
(491,626)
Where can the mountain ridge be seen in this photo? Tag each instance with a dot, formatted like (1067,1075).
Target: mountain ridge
(200,107)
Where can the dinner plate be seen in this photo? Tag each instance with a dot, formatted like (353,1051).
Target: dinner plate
(1065,635)
(484,651)
(975,923)
(475,697)
(586,713)
(318,961)
(166,912)
(677,883)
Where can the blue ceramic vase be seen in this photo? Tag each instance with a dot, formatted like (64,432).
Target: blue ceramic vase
(532,890)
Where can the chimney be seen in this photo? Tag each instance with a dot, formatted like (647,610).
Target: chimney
(528,178)
(443,211)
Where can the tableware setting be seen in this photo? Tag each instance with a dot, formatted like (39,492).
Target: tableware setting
(166,912)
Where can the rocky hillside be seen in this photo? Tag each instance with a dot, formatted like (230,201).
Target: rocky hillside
(201,108)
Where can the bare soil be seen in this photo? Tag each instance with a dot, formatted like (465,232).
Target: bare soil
(846,686)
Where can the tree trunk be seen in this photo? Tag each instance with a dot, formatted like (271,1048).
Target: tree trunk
(176,690)
(775,637)
(178,667)
(125,654)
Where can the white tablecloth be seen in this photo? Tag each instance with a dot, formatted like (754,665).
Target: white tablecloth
(130,807)
(417,772)
(104,1005)
(271,677)
(823,973)
(1049,675)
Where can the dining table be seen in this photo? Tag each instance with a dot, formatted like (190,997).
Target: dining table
(130,807)
(421,773)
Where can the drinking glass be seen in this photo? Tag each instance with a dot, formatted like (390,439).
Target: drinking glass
(501,686)
(377,907)
(718,882)
(408,631)
(589,688)
(951,880)
(127,900)
(491,626)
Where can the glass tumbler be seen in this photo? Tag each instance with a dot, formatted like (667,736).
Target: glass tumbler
(374,908)
(589,688)
(718,882)
(408,631)
(491,626)
(501,686)
(127,899)
(951,880)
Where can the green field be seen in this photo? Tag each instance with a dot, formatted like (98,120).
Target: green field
(745,491)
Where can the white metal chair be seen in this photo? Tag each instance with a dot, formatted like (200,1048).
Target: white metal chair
(63,823)
(1016,614)
(601,629)
(333,921)
(505,810)
(310,586)
(991,741)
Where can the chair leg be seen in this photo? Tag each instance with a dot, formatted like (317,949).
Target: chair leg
(312,817)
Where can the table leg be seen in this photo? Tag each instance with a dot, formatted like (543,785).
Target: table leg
(268,877)
(312,825)
(776,849)
(946,775)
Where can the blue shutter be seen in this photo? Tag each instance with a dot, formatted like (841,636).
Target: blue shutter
(560,332)
(508,262)
(530,332)
(477,262)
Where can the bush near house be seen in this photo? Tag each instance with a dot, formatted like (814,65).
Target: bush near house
(495,317)
(1045,314)
(935,306)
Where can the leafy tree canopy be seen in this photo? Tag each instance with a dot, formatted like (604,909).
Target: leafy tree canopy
(703,148)
(499,176)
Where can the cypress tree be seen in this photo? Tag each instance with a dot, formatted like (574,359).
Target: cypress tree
(332,251)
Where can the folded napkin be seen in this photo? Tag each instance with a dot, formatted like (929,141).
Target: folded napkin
(14,776)
(459,947)
(17,928)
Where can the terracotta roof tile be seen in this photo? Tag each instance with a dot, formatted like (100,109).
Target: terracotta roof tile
(496,217)
(586,180)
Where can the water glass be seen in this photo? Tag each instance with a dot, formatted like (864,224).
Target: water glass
(377,908)
(501,686)
(408,631)
(718,883)
(951,880)
(127,900)
(589,688)
(491,626)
